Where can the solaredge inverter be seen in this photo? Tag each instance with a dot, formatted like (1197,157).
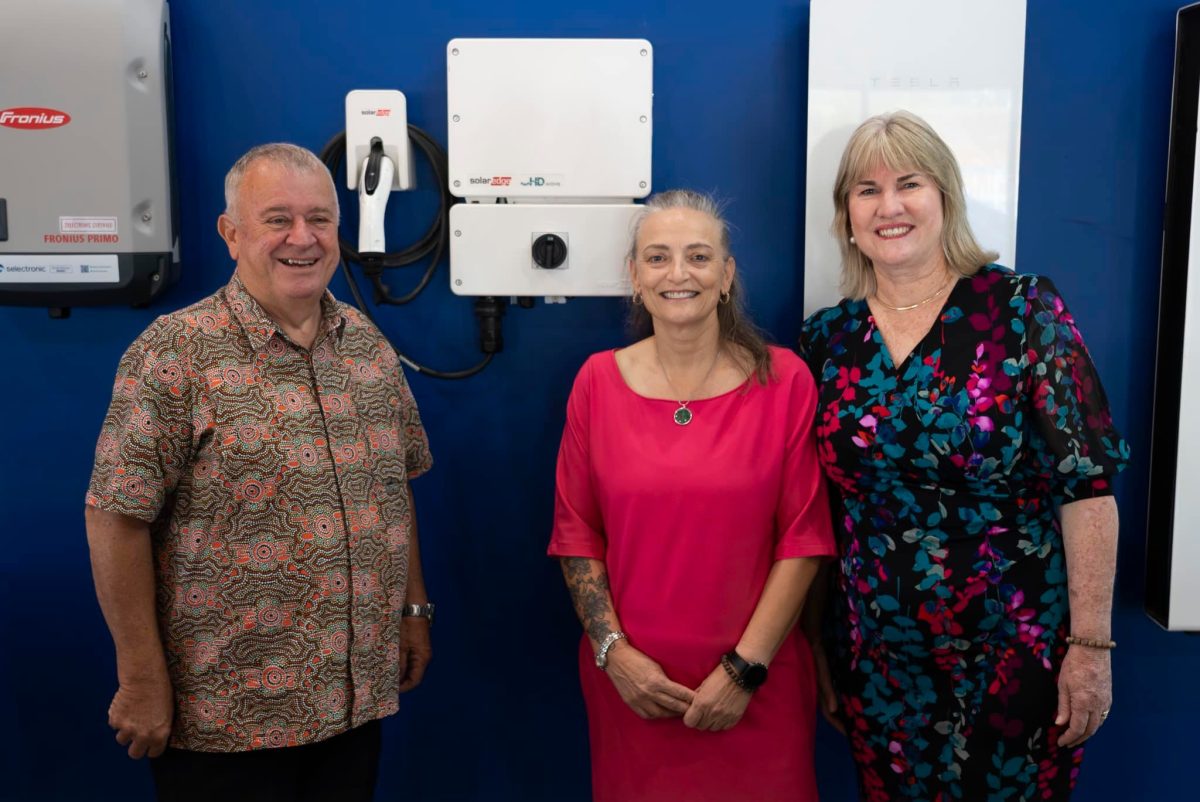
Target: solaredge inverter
(87,205)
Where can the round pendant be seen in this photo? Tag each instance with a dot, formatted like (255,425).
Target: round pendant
(683,416)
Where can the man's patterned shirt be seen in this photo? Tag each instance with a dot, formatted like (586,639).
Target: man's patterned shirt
(275,483)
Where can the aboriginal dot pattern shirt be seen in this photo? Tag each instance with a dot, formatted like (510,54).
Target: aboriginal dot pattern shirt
(275,482)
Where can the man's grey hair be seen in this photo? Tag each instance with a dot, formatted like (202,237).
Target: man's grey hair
(282,153)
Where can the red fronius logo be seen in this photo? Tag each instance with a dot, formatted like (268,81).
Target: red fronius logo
(33,117)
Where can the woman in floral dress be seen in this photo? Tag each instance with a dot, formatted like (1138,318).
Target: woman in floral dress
(969,444)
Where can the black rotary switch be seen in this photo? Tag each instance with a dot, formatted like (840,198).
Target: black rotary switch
(549,251)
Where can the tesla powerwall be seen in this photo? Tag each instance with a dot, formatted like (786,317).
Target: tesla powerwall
(959,65)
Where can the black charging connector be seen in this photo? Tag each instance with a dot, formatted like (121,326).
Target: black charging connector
(489,311)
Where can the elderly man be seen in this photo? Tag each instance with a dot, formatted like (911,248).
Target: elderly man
(251,525)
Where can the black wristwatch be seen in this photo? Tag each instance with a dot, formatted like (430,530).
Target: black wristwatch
(746,675)
(418,611)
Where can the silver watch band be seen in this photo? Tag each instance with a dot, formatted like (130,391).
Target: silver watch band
(418,611)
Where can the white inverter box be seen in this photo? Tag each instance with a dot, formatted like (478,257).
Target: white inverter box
(549,145)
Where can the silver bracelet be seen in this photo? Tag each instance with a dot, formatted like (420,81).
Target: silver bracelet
(605,645)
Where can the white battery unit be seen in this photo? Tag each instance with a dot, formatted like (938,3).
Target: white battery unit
(538,118)
(494,249)
(964,78)
(87,208)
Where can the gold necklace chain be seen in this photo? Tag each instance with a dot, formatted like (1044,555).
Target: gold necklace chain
(911,307)
(682,415)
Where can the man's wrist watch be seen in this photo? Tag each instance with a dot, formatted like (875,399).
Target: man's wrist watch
(418,611)
(746,675)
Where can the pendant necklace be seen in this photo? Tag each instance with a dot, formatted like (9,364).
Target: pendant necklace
(911,307)
(682,415)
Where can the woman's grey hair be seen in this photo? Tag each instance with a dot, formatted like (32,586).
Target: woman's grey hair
(282,153)
(901,140)
(681,199)
(736,327)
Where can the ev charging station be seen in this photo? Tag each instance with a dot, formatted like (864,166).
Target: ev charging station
(549,146)
(378,158)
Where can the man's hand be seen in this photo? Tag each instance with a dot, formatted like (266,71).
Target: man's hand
(643,684)
(719,703)
(415,651)
(141,712)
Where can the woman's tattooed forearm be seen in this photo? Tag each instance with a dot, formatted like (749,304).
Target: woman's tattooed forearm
(589,592)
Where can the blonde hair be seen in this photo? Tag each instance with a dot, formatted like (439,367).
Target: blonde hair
(901,140)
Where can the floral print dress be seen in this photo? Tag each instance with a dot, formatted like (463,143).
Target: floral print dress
(950,610)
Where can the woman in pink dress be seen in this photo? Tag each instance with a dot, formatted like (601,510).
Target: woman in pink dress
(690,519)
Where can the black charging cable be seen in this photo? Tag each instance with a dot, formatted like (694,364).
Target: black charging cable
(434,241)
(432,244)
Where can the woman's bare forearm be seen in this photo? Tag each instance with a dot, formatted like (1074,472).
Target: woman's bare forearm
(778,608)
(1090,541)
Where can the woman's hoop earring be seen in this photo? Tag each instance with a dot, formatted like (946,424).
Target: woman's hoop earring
(637,299)
(726,297)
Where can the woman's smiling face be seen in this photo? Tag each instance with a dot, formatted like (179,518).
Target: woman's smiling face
(680,267)
(896,218)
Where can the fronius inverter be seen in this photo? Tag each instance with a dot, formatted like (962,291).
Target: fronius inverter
(87,209)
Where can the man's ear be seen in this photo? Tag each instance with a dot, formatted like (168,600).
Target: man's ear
(227,228)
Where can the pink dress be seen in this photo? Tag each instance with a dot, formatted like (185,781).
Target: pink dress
(689,520)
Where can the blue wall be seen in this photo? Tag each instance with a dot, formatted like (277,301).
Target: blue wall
(499,716)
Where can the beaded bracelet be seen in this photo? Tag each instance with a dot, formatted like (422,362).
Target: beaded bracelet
(733,673)
(1092,643)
